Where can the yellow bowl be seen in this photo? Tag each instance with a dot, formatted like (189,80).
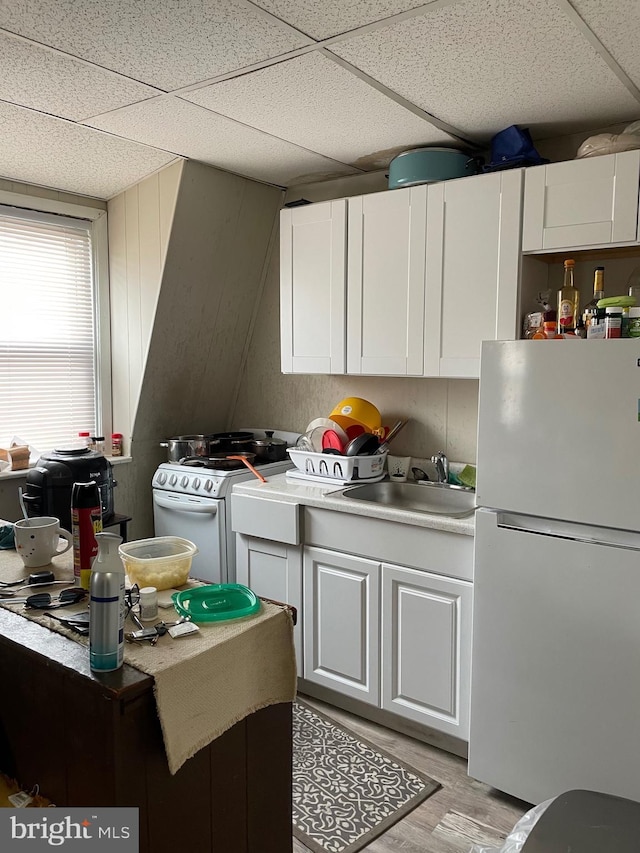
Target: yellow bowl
(163,561)
(354,411)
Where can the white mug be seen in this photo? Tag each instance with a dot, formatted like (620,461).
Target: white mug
(37,540)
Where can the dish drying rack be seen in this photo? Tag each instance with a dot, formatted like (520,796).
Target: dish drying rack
(333,468)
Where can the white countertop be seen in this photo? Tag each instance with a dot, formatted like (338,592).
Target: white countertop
(329,497)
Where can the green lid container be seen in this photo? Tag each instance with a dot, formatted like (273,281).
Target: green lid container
(216,602)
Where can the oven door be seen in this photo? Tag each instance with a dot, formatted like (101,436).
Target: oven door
(202,521)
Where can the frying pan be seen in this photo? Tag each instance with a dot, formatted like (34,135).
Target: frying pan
(365,444)
(231,461)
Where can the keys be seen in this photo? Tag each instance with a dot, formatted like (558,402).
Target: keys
(151,634)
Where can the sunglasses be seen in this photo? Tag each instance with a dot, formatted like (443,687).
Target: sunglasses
(44,600)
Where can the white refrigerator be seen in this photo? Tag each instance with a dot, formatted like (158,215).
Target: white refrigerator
(555,693)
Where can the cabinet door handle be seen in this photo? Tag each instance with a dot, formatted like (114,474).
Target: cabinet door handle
(178,506)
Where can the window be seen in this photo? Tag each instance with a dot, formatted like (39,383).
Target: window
(54,375)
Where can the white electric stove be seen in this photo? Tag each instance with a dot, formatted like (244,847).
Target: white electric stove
(190,500)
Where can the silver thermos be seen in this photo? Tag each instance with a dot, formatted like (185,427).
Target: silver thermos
(106,622)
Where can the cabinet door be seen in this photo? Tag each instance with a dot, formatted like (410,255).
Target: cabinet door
(341,625)
(386,268)
(426,648)
(312,288)
(273,570)
(591,202)
(473,264)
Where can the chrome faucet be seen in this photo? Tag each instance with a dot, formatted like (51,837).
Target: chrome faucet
(442,466)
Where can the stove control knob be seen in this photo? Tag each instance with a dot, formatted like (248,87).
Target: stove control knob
(208,485)
(184,482)
(196,483)
(173,480)
(162,478)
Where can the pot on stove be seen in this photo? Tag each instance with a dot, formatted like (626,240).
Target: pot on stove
(185,445)
(269,449)
(230,442)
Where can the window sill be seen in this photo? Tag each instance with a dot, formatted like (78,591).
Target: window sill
(11,475)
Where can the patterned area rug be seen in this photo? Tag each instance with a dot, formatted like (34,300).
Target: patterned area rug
(346,791)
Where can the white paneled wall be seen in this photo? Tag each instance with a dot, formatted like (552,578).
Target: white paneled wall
(139,227)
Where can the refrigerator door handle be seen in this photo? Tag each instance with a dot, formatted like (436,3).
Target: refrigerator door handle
(591,535)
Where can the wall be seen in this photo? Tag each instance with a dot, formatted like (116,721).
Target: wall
(443,413)
(139,226)
(213,272)
(55,195)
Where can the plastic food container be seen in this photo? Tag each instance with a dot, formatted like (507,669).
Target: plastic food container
(335,467)
(163,561)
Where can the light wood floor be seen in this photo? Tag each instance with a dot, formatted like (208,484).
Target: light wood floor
(463,812)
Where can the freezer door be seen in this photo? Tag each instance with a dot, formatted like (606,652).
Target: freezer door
(555,687)
(559,430)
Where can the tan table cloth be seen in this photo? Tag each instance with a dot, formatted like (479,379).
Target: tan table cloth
(205,682)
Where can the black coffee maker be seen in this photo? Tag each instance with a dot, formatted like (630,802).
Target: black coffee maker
(49,484)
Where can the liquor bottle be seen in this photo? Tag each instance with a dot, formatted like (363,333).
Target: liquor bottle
(590,312)
(568,301)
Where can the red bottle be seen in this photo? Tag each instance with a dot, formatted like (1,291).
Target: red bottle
(86,521)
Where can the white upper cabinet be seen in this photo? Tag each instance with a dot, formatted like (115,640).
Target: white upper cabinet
(405,282)
(581,203)
(313,287)
(473,268)
(386,283)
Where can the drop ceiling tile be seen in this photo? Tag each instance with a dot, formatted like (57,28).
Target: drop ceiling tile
(617,24)
(175,125)
(167,45)
(313,102)
(482,65)
(42,79)
(330,17)
(40,149)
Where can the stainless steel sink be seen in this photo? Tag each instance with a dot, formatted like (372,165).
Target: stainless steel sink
(435,498)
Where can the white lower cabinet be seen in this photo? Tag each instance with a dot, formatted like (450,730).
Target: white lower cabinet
(341,623)
(273,570)
(396,638)
(392,637)
(426,648)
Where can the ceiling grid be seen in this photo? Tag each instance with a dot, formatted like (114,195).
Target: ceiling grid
(285,91)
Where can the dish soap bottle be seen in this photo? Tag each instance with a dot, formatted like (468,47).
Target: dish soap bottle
(106,623)
(568,301)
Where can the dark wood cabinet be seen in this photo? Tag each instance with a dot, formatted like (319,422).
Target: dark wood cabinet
(95,740)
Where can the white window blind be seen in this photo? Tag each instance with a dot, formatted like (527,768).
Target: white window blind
(47,329)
